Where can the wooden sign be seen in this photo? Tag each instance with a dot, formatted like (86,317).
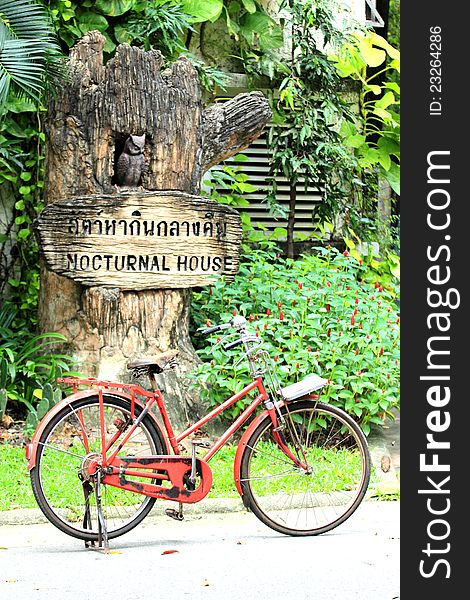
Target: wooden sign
(141,240)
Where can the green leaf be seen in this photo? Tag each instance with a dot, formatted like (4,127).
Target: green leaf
(387,99)
(90,21)
(355,141)
(249,5)
(384,160)
(393,177)
(375,89)
(203,10)
(373,57)
(32,421)
(3,402)
(42,408)
(383,114)
(122,35)
(378,40)
(260,27)
(388,145)
(114,8)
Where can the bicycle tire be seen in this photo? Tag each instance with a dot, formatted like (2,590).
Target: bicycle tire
(60,457)
(305,502)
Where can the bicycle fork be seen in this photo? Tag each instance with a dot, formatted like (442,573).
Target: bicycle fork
(280,422)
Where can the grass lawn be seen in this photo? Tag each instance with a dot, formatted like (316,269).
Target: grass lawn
(16,489)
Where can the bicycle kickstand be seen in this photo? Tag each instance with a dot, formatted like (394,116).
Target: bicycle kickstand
(103,541)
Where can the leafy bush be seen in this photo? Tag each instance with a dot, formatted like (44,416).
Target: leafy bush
(27,368)
(315,314)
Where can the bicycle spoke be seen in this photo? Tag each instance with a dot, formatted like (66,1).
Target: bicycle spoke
(68,445)
(313,500)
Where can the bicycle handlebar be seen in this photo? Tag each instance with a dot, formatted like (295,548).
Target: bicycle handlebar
(233,344)
(237,323)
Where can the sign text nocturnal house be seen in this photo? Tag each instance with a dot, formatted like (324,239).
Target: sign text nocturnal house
(140,241)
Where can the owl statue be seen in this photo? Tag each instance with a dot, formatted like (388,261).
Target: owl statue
(130,164)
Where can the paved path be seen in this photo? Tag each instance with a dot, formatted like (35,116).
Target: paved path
(219,556)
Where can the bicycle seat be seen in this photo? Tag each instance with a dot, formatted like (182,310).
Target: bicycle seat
(304,387)
(147,366)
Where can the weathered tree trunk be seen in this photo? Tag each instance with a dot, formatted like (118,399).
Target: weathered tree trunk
(88,123)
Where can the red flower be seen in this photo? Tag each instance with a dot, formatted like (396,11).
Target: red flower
(346,253)
(328,333)
(327,306)
(265,326)
(212,363)
(234,312)
(294,302)
(281,316)
(309,349)
(208,323)
(300,285)
(210,291)
(250,318)
(381,351)
(328,284)
(297,366)
(275,358)
(352,320)
(356,300)
(293,321)
(381,289)
(377,284)
(268,311)
(357,351)
(279,304)
(218,338)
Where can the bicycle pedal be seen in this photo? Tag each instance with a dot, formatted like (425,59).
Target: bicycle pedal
(201,443)
(174,514)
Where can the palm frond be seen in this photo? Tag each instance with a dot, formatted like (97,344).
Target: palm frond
(27,48)
(24,19)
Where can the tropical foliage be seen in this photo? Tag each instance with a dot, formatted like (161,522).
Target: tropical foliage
(376,141)
(27,49)
(307,141)
(319,314)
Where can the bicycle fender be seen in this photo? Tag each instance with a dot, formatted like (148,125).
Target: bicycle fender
(242,445)
(246,436)
(31,448)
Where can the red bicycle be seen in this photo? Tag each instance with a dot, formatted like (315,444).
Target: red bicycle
(101,457)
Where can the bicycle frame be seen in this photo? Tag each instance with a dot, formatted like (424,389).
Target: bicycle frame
(174,468)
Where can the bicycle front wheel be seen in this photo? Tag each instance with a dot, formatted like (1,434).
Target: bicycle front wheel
(328,485)
(70,440)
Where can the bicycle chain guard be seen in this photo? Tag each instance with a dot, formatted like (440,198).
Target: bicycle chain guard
(176,470)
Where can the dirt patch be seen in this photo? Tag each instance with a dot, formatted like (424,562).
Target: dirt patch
(12,431)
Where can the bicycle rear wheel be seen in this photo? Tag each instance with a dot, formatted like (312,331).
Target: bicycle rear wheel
(70,440)
(306,501)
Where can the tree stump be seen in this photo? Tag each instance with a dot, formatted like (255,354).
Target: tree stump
(89,120)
